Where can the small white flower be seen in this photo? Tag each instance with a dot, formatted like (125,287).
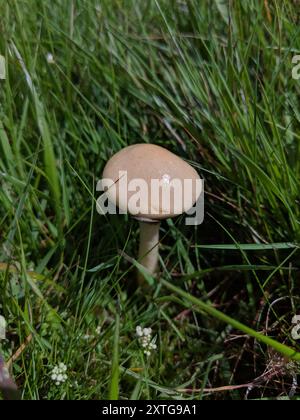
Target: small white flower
(139,331)
(50,58)
(98,330)
(147,331)
(62,367)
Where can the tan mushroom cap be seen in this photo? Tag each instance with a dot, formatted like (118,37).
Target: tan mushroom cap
(151,183)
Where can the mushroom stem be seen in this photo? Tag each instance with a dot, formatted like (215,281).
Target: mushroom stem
(148,251)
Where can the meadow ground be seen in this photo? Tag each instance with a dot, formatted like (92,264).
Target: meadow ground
(211,81)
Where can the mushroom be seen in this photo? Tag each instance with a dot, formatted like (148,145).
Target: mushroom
(152,184)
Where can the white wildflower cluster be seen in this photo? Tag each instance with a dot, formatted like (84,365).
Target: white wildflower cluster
(145,339)
(58,374)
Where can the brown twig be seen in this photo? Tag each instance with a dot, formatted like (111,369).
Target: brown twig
(20,350)
(220,389)
(268,12)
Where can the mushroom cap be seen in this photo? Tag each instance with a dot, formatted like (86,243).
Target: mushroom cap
(151,183)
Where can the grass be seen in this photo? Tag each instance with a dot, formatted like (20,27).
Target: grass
(210,81)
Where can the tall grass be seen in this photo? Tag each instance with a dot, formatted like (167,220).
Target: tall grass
(209,80)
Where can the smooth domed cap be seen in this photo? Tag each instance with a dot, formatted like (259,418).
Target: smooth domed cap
(152,183)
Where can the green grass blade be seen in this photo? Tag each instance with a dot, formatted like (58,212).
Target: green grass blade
(114,377)
(250,247)
(281,348)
